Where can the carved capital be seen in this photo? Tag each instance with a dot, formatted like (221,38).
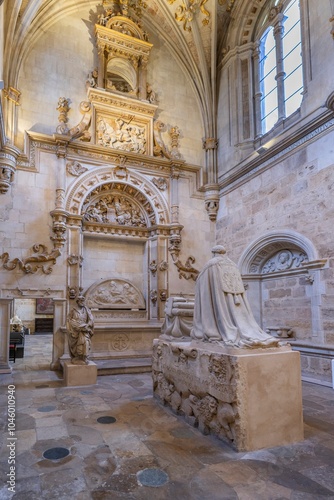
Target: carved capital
(210,143)
(61,144)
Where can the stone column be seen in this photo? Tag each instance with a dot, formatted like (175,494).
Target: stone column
(142,77)
(59,336)
(153,287)
(258,73)
(5,308)
(59,215)
(75,259)
(101,66)
(280,74)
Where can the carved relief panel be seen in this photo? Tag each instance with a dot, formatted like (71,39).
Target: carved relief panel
(114,293)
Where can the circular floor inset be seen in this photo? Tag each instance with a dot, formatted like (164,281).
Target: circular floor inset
(46,408)
(56,453)
(152,477)
(106,420)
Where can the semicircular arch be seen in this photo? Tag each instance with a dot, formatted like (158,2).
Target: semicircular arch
(132,184)
(260,250)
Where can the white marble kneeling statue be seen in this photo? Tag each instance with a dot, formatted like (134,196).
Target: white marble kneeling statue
(80,326)
(222,312)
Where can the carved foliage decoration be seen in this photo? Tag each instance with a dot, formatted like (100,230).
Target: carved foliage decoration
(187,271)
(75,168)
(160,183)
(185,13)
(114,293)
(160,147)
(41,259)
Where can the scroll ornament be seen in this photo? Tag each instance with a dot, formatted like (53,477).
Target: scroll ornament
(40,260)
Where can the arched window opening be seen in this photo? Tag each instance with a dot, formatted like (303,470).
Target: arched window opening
(281,71)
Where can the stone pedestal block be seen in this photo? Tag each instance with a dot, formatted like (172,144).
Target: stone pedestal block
(79,374)
(249,398)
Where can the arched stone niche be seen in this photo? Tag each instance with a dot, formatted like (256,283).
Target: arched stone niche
(118,223)
(282,273)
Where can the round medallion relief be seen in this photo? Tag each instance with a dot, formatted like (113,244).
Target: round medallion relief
(120,342)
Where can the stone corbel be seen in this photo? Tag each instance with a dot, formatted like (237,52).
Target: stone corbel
(59,226)
(211,200)
(8,158)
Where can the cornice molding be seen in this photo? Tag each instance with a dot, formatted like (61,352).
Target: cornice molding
(98,155)
(279,148)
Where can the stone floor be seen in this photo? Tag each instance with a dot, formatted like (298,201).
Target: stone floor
(140,450)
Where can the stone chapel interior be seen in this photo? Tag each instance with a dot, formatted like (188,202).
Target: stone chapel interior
(135,136)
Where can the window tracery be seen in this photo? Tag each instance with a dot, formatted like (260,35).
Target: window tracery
(280,65)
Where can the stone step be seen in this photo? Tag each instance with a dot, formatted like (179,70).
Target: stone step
(128,365)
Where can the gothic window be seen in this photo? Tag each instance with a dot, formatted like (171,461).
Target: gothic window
(280,72)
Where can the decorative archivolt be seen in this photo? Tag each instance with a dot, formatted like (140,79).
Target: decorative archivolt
(116,190)
(277,252)
(253,15)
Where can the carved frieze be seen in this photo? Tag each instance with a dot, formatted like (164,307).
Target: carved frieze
(283,261)
(114,293)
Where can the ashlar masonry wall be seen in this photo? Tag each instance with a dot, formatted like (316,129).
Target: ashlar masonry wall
(293,194)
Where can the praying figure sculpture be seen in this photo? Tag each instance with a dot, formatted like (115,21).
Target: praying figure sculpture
(80,326)
(222,312)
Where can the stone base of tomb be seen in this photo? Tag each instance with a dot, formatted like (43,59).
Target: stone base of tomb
(79,374)
(251,399)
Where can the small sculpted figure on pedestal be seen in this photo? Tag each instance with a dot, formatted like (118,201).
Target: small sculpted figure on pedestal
(222,312)
(80,326)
